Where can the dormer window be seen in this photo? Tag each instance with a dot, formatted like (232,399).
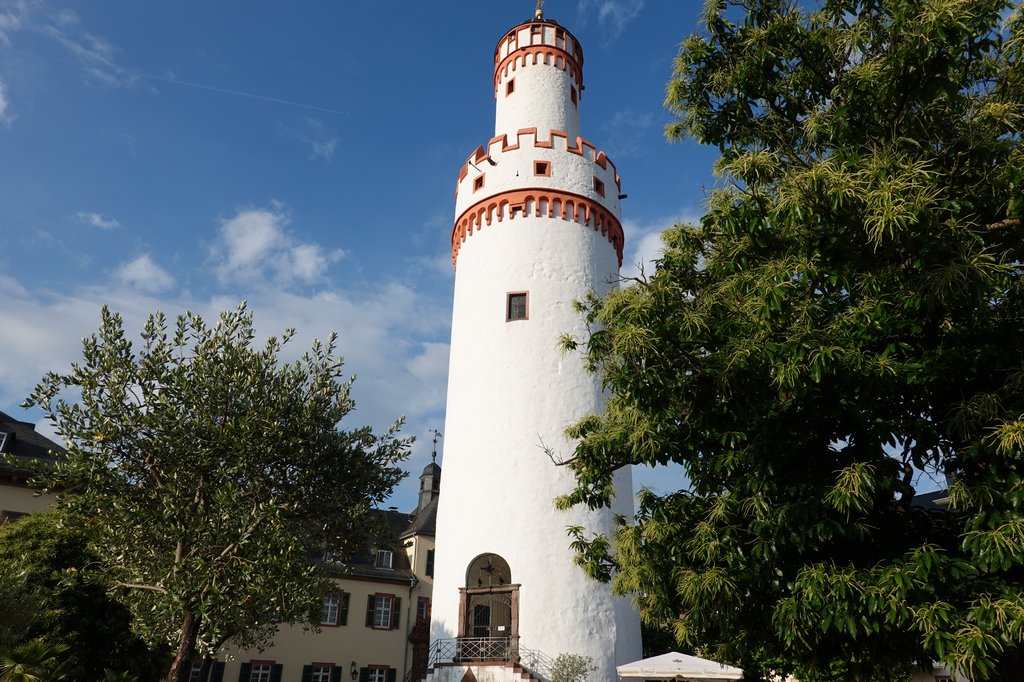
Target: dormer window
(385,559)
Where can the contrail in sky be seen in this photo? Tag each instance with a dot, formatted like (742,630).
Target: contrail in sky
(250,95)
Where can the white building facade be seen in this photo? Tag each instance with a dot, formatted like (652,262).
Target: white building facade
(537,227)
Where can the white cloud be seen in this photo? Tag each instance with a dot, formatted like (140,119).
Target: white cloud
(97,220)
(254,245)
(96,56)
(314,136)
(612,15)
(307,261)
(250,236)
(644,245)
(145,275)
(5,116)
(14,16)
(325,148)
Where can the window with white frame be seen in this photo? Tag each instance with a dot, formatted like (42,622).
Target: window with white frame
(385,558)
(260,672)
(321,672)
(382,611)
(329,611)
(378,675)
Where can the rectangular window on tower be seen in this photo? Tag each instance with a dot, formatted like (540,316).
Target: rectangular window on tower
(573,95)
(478,182)
(516,307)
(510,87)
(542,168)
(598,185)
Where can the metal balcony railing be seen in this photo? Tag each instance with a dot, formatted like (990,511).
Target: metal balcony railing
(484,650)
(473,649)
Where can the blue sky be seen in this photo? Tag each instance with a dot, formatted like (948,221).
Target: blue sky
(301,156)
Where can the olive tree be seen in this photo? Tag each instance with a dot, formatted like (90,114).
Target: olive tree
(210,474)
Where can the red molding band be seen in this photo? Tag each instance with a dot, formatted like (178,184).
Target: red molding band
(570,207)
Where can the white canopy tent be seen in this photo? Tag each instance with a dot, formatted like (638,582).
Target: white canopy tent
(679,667)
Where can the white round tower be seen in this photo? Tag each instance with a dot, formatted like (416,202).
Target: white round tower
(537,227)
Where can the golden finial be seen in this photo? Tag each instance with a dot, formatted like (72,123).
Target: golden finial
(540,9)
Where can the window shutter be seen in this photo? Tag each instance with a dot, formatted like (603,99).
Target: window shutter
(244,672)
(430,563)
(217,672)
(307,673)
(275,672)
(336,671)
(364,675)
(370,603)
(392,674)
(343,609)
(396,611)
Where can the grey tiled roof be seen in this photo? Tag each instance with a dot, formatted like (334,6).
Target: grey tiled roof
(423,521)
(26,445)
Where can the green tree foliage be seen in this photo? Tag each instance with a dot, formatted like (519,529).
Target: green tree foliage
(849,311)
(53,597)
(33,661)
(572,668)
(210,474)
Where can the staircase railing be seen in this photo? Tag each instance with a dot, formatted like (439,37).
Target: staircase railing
(536,661)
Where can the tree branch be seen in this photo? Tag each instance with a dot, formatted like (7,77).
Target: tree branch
(1003,224)
(140,586)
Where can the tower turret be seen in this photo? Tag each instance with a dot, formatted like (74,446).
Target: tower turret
(538,79)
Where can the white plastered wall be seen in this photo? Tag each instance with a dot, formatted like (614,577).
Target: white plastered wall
(541,98)
(511,392)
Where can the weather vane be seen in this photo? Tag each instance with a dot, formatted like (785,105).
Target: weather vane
(433,454)
(540,9)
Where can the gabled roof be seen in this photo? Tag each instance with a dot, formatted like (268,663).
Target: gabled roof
(423,521)
(25,444)
(364,564)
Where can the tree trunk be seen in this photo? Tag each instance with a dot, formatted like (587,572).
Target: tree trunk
(181,666)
